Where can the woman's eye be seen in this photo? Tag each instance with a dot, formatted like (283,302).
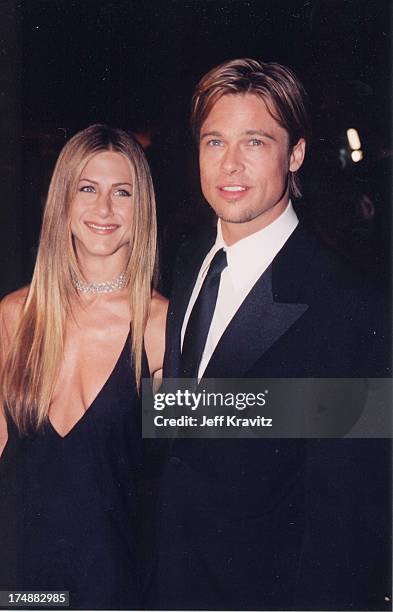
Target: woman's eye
(87,189)
(123,193)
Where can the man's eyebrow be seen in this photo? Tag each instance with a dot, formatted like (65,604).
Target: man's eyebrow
(207,134)
(247,133)
(259,133)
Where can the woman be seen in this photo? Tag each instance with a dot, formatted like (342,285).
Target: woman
(75,345)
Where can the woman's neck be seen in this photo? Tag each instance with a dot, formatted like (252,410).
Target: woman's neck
(101,269)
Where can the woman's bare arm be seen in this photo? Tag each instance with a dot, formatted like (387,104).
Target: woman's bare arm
(10,310)
(155,333)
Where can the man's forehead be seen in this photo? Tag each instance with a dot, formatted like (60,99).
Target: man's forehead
(243,113)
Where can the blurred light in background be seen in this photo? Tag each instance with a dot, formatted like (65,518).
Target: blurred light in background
(357,156)
(353,139)
(355,145)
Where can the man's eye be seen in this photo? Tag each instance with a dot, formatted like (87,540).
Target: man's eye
(123,193)
(87,189)
(255,142)
(214,142)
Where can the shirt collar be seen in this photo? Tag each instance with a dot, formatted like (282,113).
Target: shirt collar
(248,258)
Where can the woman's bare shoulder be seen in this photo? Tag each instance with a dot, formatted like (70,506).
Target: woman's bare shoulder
(11,307)
(10,310)
(14,301)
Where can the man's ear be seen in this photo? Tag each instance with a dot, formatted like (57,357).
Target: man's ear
(297,156)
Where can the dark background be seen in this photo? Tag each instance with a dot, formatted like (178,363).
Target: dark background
(65,64)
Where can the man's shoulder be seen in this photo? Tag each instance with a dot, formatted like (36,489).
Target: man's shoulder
(328,281)
(345,287)
(324,265)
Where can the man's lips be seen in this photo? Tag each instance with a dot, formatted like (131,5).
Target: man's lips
(101,228)
(233,192)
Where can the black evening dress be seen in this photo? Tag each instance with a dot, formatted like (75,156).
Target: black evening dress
(69,505)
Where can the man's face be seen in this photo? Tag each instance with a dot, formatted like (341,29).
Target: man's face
(244,164)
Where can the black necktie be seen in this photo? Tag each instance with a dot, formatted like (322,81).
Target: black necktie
(201,316)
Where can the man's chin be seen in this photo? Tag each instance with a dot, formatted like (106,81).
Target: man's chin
(236,219)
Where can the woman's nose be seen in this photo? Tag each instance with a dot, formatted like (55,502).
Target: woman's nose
(104,204)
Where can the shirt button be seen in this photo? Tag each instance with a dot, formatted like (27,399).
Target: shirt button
(175,461)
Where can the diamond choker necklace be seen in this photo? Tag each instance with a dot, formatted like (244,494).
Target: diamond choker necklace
(105,287)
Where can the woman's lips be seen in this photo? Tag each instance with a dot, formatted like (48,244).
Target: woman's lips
(101,228)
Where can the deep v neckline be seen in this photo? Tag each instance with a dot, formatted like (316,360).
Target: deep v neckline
(91,406)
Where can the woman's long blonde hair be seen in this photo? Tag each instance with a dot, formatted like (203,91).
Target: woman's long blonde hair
(33,363)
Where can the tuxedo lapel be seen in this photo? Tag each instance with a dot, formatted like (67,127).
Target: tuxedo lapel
(277,300)
(257,325)
(274,304)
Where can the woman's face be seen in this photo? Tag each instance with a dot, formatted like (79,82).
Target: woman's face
(102,210)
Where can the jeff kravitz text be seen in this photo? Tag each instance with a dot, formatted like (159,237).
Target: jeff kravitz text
(216,421)
(193,401)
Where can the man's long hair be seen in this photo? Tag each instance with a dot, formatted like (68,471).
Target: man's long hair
(32,365)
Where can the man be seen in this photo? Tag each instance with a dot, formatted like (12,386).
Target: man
(268,524)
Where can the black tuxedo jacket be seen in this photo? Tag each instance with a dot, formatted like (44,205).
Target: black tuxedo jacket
(279,524)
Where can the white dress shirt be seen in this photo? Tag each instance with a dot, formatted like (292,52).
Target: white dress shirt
(247,260)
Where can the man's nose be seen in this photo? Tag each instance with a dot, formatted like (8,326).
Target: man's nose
(232,161)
